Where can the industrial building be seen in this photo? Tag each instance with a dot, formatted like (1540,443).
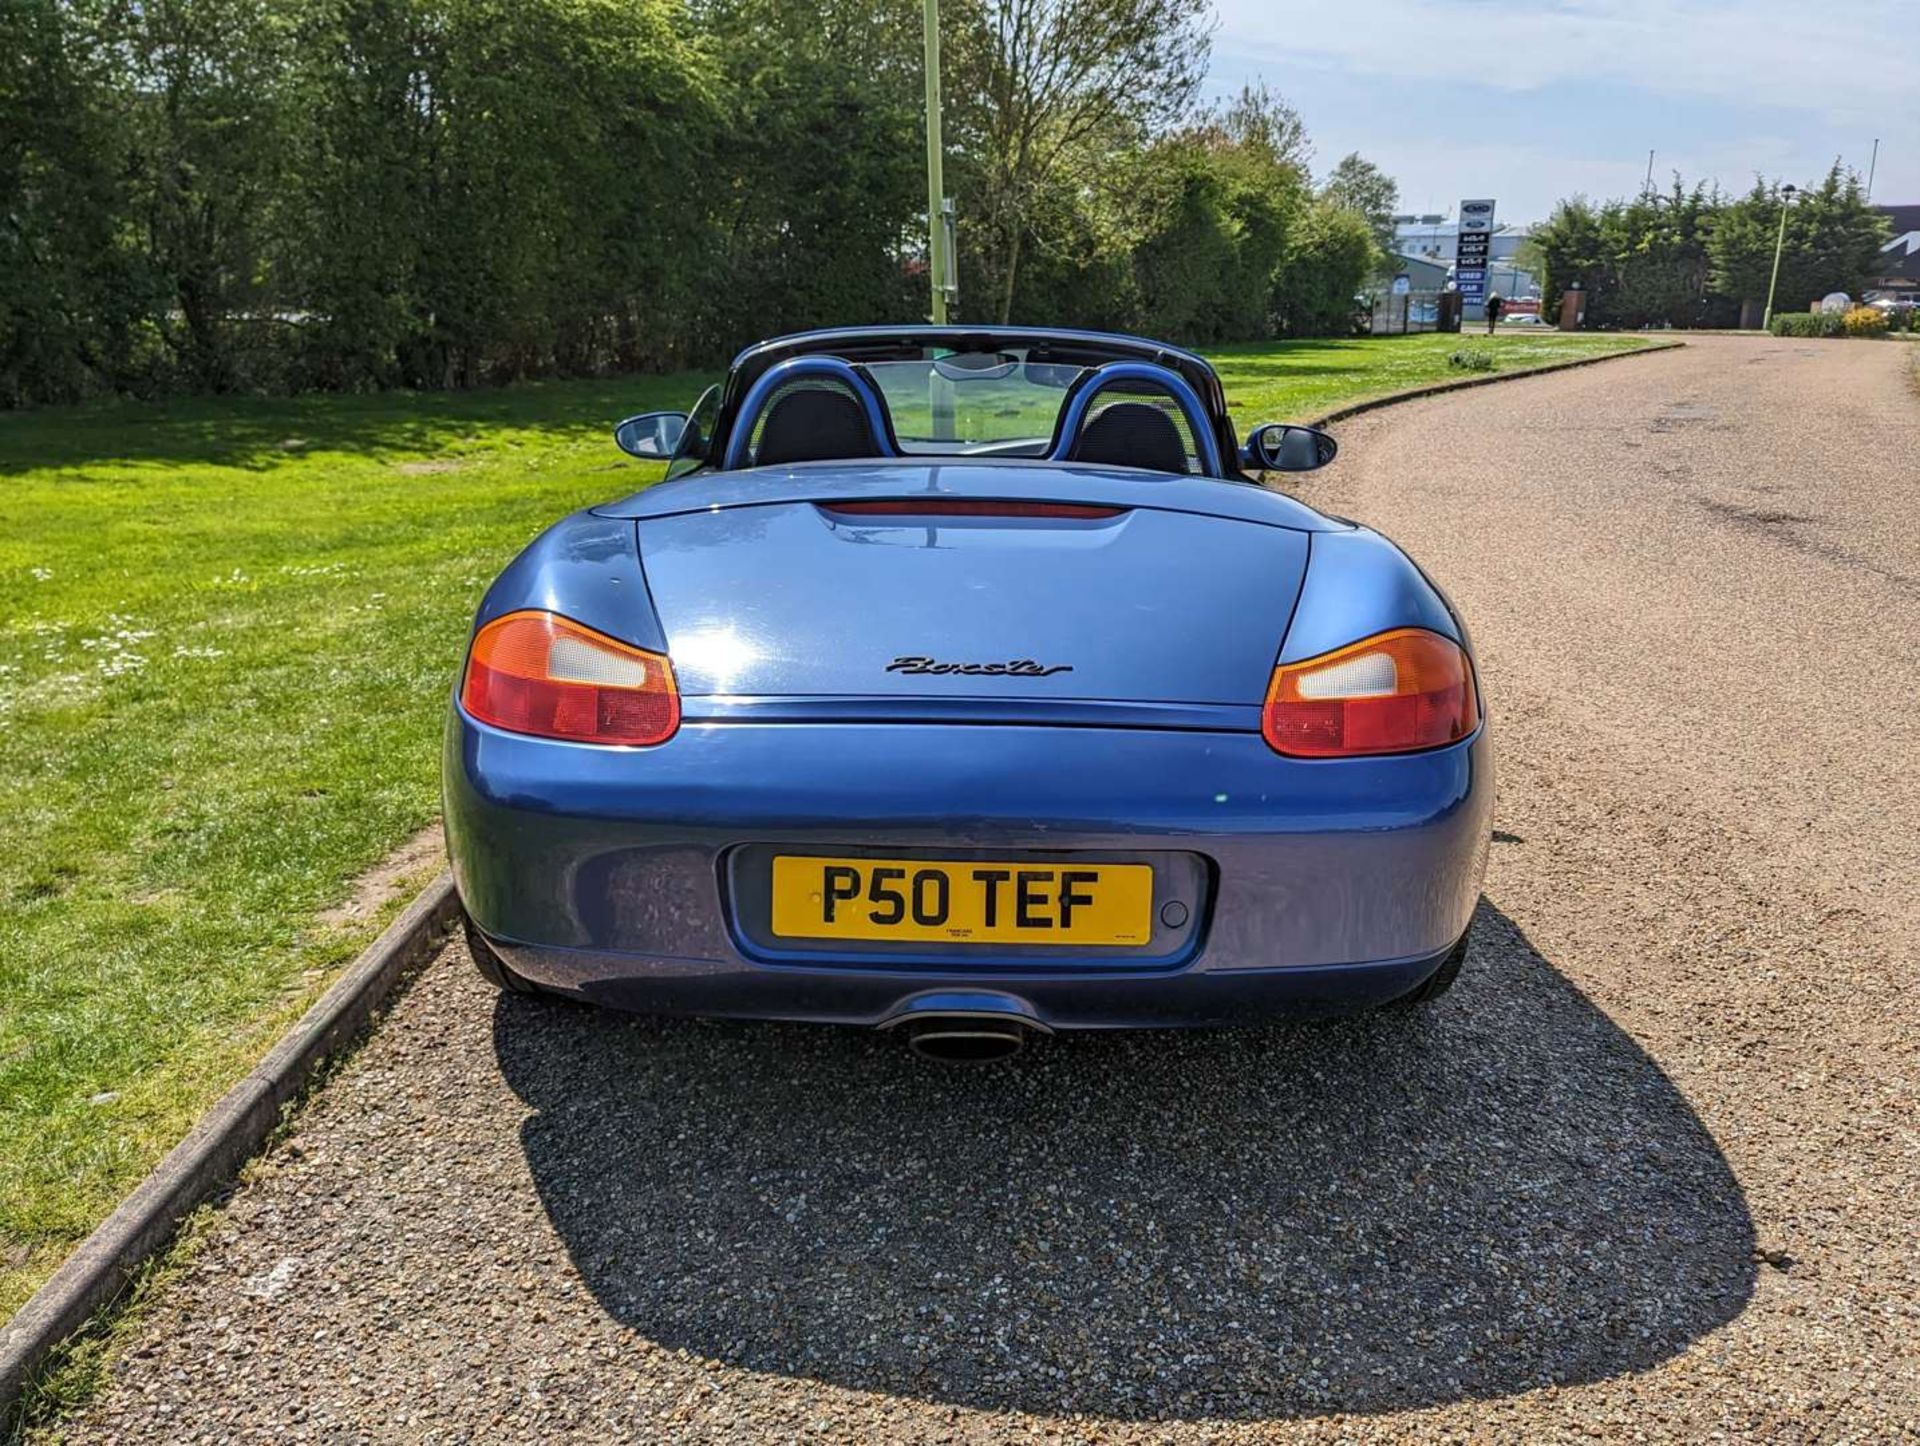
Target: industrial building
(1435,238)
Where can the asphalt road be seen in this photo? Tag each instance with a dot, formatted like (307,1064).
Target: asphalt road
(1653,1167)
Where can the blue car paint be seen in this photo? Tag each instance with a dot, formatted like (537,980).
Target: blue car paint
(603,871)
(587,567)
(1003,478)
(785,601)
(1359,584)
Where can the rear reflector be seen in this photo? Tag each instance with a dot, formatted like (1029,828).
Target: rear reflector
(966,507)
(540,673)
(1396,692)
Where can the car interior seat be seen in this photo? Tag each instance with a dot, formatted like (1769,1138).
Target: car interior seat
(811,423)
(1131,434)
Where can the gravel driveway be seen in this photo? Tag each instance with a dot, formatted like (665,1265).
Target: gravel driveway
(1653,1167)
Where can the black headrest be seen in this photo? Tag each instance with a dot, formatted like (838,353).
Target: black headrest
(815,424)
(1131,434)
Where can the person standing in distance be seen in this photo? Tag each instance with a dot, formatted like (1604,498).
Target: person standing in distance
(1494,307)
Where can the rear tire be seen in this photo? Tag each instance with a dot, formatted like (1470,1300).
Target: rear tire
(1440,981)
(495,970)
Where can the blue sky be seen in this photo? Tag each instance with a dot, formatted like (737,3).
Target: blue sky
(1530,102)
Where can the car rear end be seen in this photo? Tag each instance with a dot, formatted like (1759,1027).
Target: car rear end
(1064,759)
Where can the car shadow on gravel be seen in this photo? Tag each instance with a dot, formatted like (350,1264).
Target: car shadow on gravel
(1357,1215)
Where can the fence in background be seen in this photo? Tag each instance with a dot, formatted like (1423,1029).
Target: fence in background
(1414,311)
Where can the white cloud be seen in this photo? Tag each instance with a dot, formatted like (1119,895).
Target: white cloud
(1528,178)
(1845,62)
(1532,103)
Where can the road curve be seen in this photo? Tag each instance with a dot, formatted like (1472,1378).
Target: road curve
(1654,1165)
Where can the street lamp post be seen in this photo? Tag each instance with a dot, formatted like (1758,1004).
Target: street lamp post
(1787,194)
(941,266)
(938,261)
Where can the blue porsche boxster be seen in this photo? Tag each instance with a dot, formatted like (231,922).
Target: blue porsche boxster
(962,681)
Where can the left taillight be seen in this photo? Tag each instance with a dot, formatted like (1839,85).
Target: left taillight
(1396,692)
(539,673)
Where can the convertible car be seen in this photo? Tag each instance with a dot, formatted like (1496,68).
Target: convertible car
(963,682)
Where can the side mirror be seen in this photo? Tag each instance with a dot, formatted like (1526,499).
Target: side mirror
(1284,447)
(651,436)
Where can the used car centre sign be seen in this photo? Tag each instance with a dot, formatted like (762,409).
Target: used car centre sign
(1470,254)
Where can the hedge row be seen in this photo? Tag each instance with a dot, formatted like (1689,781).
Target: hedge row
(280,195)
(1864,321)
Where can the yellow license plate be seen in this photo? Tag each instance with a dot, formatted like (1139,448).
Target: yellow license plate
(927,901)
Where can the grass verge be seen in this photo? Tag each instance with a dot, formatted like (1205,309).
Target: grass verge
(227,629)
(1309,379)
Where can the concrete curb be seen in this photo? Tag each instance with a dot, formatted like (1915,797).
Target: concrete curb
(1434,389)
(213,1151)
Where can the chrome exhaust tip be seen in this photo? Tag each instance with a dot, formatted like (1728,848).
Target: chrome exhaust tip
(966,1039)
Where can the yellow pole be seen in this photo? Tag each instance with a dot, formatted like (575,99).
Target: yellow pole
(1779,244)
(939,264)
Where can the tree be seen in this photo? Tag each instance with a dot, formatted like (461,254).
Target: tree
(1330,256)
(221,195)
(1262,122)
(496,188)
(820,180)
(1641,262)
(1661,266)
(71,290)
(1833,240)
(139,154)
(1210,216)
(370,85)
(207,130)
(1359,186)
(1045,85)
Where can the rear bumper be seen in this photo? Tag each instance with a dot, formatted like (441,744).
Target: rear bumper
(1192,997)
(602,871)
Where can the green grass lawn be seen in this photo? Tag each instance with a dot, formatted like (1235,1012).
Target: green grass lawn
(1302,381)
(227,630)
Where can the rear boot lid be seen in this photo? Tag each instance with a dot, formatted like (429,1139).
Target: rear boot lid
(949,605)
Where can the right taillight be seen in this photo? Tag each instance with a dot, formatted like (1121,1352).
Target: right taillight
(1395,692)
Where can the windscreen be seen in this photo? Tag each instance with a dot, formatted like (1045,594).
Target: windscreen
(989,397)
(993,403)
(1007,403)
